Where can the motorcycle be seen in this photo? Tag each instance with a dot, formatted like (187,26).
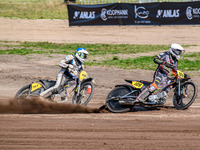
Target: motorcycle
(123,97)
(80,89)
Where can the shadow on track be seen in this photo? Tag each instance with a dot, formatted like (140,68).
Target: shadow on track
(150,108)
(137,108)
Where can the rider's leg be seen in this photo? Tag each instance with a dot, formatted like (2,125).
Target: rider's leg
(158,78)
(48,92)
(145,93)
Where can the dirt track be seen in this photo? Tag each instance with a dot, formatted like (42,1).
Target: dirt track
(59,31)
(161,128)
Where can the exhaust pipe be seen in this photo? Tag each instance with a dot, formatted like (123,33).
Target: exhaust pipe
(132,102)
(127,102)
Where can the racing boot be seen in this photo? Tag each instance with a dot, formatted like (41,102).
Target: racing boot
(44,96)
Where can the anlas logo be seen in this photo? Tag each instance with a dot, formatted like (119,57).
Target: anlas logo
(84,15)
(171,13)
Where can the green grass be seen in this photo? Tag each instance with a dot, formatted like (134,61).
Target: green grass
(189,63)
(193,55)
(23,48)
(33,9)
(146,63)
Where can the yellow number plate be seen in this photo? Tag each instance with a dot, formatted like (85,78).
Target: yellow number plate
(83,75)
(137,85)
(180,74)
(35,86)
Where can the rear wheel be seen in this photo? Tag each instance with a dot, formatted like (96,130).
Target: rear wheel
(23,92)
(187,97)
(113,105)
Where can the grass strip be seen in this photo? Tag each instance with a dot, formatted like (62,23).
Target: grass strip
(146,63)
(189,63)
(57,48)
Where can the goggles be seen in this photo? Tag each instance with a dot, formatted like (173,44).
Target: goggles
(177,52)
(82,55)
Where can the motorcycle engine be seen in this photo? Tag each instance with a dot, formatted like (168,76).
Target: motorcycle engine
(157,97)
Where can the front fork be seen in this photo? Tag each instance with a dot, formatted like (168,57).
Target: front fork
(179,88)
(183,93)
(77,89)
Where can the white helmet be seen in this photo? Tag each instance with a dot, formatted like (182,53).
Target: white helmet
(81,54)
(176,50)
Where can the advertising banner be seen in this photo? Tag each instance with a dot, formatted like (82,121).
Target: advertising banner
(166,13)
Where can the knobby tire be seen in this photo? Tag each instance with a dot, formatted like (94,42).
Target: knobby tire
(178,103)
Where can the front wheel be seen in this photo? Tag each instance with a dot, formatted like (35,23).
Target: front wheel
(187,97)
(85,94)
(113,105)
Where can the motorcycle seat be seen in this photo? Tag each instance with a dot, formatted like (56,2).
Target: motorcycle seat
(47,83)
(146,82)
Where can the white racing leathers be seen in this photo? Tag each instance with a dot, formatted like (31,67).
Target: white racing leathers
(70,66)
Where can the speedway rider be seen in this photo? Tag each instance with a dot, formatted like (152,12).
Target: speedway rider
(70,66)
(166,61)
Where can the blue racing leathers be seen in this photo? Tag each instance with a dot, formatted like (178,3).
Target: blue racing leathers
(70,66)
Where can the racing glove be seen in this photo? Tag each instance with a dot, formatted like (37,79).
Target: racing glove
(168,65)
(70,66)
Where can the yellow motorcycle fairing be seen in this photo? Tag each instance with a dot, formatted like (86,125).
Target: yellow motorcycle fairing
(83,75)
(180,74)
(137,85)
(35,86)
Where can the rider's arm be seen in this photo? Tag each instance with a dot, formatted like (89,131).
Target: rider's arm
(82,67)
(66,62)
(159,60)
(174,70)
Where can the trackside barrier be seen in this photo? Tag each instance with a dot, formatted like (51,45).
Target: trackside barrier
(167,13)
(92,2)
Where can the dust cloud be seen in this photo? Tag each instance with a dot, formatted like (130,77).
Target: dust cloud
(37,106)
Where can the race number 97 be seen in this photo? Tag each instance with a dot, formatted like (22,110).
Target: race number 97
(137,85)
